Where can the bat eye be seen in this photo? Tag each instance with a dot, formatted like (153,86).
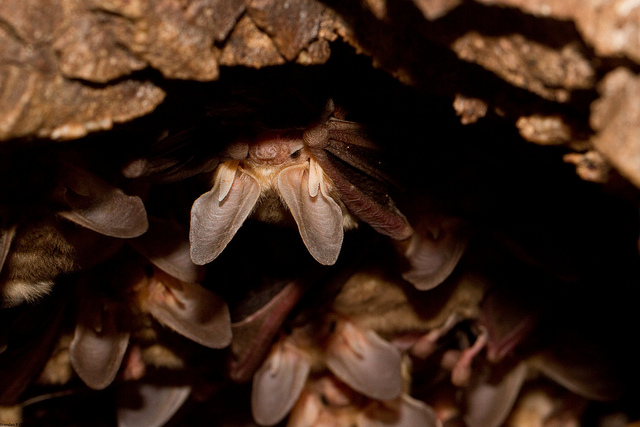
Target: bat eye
(296,154)
(148,270)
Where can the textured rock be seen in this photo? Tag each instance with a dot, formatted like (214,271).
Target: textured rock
(291,24)
(528,64)
(48,105)
(616,117)
(250,47)
(611,27)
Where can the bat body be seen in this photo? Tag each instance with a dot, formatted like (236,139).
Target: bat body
(162,286)
(294,173)
(78,224)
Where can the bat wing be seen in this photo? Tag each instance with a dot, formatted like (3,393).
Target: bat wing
(278,383)
(99,341)
(318,216)
(98,206)
(156,404)
(190,309)
(217,215)
(253,335)
(364,196)
(366,362)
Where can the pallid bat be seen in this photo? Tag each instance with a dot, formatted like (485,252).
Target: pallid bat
(80,225)
(360,358)
(319,175)
(566,356)
(103,329)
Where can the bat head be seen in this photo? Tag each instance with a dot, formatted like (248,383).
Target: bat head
(275,148)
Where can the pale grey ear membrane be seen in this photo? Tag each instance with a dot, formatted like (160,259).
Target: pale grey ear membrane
(318,216)
(367,363)
(189,309)
(278,383)
(154,404)
(100,341)
(217,215)
(101,207)
(433,252)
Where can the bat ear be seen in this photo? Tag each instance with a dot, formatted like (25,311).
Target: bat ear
(189,309)
(166,245)
(318,216)
(217,215)
(278,383)
(154,404)
(487,404)
(366,362)
(99,341)
(405,412)
(6,237)
(101,207)
(433,252)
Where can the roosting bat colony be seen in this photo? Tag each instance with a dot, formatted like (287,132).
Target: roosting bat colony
(313,245)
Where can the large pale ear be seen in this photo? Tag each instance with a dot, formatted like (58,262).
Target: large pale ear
(402,412)
(149,405)
(488,404)
(367,363)
(217,215)
(99,341)
(278,383)
(189,309)
(6,237)
(99,206)
(433,252)
(166,245)
(319,217)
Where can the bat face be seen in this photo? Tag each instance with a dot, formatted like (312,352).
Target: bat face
(314,175)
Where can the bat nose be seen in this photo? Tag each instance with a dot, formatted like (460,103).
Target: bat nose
(269,151)
(266,151)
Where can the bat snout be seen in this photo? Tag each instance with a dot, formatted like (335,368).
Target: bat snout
(270,152)
(266,151)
